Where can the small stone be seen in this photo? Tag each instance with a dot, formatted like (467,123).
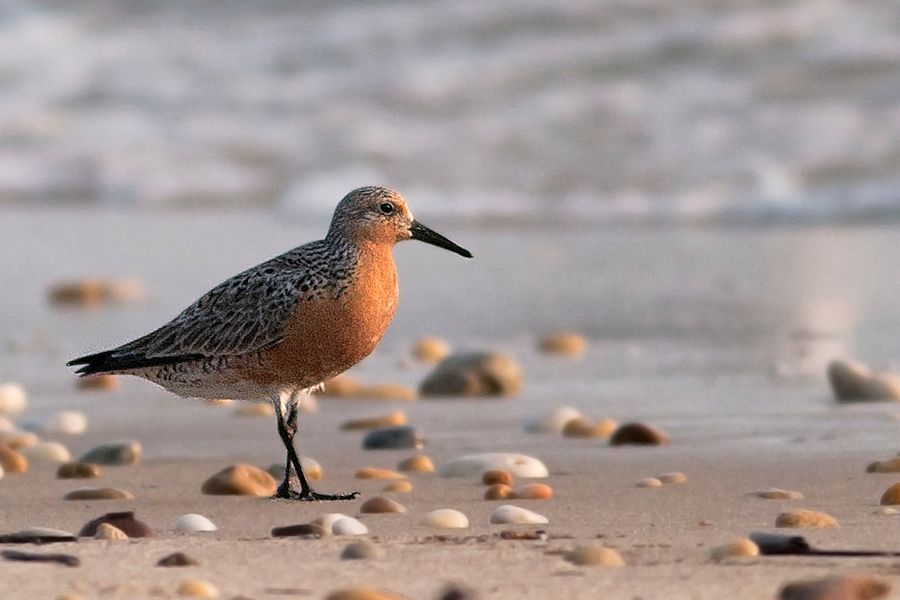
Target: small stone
(514,515)
(362,551)
(105,531)
(498,491)
(891,495)
(328,520)
(673,478)
(563,343)
(37,535)
(638,434)
(99,494)
(363,593)
(388,391)
(177,559)
(103,381)
(853,382)
(495,476)
(220,401)
(341,387)
(430,349)
(533,491)
(240,480)
(18,439)
(474,465)
(67,422)
(381,504)
(124,453)
(474,374)
(595,556)
(192,522)
(445,518)
(839,587)
(778,494)
(398,487)
(303,530)
(580,427)
(197,588)
(891,465)
(649,482)
(350,526)
(376,473)
(554,421)
(77,470)
(125,521)
(805,518)
(398,417)
(94,291)
(887,511)
(46,452)
(456,591)
(393,438)
(6,424)
(416,464)
(255,409)
(12,399)
(311,468)
(12,461)
(62,559)
(742,548)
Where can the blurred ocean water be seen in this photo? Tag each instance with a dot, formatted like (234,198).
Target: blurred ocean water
(616,110)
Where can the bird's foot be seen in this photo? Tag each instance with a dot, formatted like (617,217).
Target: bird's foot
(311,496)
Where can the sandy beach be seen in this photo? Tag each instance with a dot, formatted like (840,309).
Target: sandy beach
(731,368)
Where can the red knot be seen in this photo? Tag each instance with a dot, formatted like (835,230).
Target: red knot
(280,329)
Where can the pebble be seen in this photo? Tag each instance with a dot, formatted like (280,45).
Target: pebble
(37,535)
(886,511)
(197,588)
(891,495)
(805,518)
(891,465)
(376,473)
(192,522)
(304,530)
(67,422)
(1,473)
(456,591)
(398,487)
(474,465)
(533,491)
(119,453)
(594,556)
(838,587)
(497,476)
(362,593)
(94,291)
(392,392)
(255,409)
(350,526)
(6,424)
(649,482)
(41,557)
(47,452)
(416,464)
(103,493)
(12,399)
(638,434)
(398,417)
(514,515)
(341,386)
(125,521)
(77,470)
(566,343)
(18,439)
(328,520)
(103,381)
(739,549)
(580,427)
(105,531)
(177,559)
(430,349)
(474,374)
(778,494)
(554,421)
(393,438)
(498,491)
(673,478)
(445,518)
(381,504)
(240,480)
(311,468)
(362,551)
(852,382)
(12,461)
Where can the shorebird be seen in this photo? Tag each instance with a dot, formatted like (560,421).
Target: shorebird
(277,331)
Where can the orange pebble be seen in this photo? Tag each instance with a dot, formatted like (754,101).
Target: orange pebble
(498,476)
(533,491)
(498,491)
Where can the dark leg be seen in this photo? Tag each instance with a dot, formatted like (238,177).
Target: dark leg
(287,429)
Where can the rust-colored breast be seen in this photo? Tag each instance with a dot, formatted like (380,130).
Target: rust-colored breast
(327,336)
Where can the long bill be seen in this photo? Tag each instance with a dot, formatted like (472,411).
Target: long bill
(429,236)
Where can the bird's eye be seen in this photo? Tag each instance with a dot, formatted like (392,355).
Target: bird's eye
(386,208)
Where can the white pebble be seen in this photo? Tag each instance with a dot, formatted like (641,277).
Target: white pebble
(446,518)
(514,515)
(69,422)
(12,399)
(554,421)
(192,522)
(6,425)
(349,526)
(887,511)
(474,465)
(47,451)
(649,482)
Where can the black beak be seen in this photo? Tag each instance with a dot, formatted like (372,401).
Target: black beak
(423,234)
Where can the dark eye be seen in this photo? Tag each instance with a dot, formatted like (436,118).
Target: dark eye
(386,208)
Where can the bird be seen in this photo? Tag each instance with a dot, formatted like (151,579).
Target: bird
(277,331)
